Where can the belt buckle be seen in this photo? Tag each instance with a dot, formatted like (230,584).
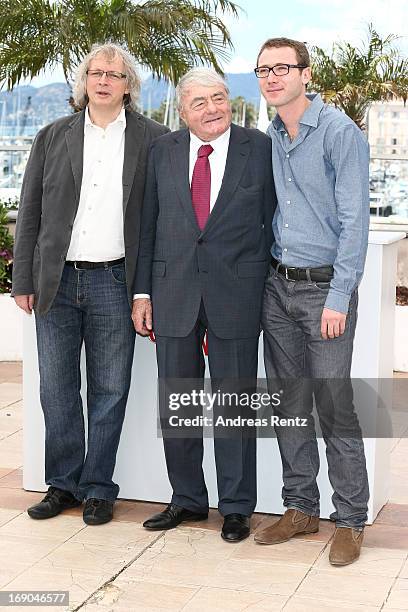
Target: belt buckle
(75,266)
(291,280)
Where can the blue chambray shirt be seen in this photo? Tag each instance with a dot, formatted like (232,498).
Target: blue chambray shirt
(322,186)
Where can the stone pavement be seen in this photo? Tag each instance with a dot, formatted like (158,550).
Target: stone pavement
(120,566)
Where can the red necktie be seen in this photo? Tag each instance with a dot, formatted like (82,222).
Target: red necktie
(201,185)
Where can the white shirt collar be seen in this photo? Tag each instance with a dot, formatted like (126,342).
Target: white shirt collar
(121,118)
(221,141)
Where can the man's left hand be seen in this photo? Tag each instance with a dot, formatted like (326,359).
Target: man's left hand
(333,323)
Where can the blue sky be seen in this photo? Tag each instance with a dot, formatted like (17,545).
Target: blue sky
(317,22)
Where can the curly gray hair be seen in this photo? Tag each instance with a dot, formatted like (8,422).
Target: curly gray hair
(111,51)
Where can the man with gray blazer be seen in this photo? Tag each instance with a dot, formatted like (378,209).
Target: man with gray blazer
(74,262)
(203,258)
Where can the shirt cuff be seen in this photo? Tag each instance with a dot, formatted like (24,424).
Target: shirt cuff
(337,301)
(138,296)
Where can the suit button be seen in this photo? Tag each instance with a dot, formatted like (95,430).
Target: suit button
(200,240)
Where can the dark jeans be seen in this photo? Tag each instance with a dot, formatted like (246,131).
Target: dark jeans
(296,353)
(91,306)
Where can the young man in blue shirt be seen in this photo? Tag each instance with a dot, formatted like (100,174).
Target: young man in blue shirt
(320,162)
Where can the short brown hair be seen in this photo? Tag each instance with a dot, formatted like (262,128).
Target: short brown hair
(302,54)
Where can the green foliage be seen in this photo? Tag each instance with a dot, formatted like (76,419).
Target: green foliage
(351,77)
(166,36)
(6,251)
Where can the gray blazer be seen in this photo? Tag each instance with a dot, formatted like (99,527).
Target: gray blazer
(225,264)
(50,198)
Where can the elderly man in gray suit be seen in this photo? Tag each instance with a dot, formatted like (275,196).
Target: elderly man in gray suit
(203,258)
(74,263)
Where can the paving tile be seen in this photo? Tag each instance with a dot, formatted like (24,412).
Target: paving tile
(7,515)
(10,571)
(11,450)
(10,370)
(126,535)
(257,576)
(372,561)
(404,571)
(9,422)
(399,490)
(41,576)
(206,570)
(18,498)
(135,511)
(4,471)
(293,551)
(340,586)
(123,595)
(393,514)
(24,549)
(12,459)
(398,597)
(13,480)
(10,392)
(386,536)
(100,558)
(60,528)
(190,543)
(226,600)
(306,604)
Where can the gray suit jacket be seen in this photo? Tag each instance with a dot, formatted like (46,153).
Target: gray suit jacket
(225,264)
(50,198)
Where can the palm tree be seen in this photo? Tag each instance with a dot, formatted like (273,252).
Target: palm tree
(166,36)
(351,77)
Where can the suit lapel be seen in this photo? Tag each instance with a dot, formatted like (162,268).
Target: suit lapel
(134,137)
(237,157)
(180,162)
(74,137)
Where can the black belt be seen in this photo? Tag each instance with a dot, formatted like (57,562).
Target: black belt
(322,275)
(92,265)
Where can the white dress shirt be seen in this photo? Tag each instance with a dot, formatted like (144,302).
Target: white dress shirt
(217,159)
(97,233)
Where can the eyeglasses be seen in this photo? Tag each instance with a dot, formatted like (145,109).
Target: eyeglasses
(111,75)
(278,70)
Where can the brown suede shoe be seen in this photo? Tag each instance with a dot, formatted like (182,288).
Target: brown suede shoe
(346,545)
(291,523)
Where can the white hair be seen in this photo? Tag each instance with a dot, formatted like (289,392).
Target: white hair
(201,76)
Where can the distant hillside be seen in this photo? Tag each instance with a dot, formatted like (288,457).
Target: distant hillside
(36,106)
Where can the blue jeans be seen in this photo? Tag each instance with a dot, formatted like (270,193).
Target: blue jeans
(296,353)
(91,307)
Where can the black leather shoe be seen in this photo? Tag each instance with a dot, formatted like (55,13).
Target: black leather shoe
(98,511)
(172,516)
(55,501)
(235,527)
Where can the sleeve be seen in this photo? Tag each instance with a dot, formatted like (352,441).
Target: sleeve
(28,219)
(350,160)
(150,211)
